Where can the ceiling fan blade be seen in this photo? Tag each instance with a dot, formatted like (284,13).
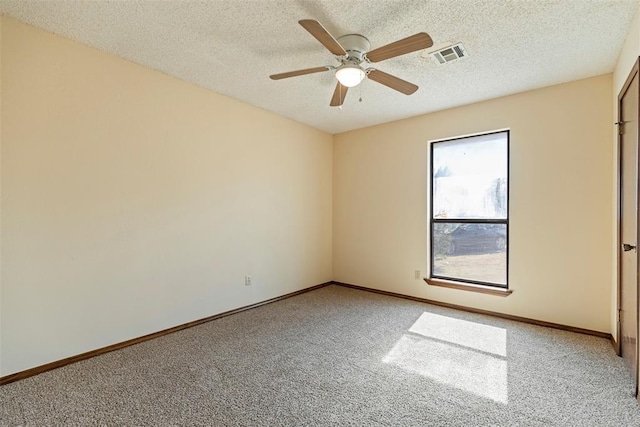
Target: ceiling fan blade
(392,81)
(319,32)
(338,95)
(401,47)
(298,73)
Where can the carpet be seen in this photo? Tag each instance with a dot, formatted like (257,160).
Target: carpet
(339,356)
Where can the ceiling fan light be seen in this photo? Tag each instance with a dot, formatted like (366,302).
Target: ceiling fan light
(350,75)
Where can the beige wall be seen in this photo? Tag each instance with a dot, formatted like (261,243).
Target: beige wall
(627,58)
(560,203)
(134,202)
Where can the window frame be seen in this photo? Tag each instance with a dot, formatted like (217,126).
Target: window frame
(461,283)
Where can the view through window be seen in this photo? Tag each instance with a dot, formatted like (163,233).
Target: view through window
(469,209)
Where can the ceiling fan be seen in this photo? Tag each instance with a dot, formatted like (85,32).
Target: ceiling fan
(352,51)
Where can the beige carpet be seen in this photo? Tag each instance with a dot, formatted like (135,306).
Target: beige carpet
(338,356)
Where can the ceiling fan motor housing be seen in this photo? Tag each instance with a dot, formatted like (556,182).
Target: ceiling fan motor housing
(356,46)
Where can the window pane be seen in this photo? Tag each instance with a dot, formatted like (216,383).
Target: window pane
(470,177)
(476,252)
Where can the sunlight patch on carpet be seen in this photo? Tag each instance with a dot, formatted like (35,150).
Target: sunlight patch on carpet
(466,355)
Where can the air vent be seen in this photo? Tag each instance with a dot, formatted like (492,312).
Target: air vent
(449,54)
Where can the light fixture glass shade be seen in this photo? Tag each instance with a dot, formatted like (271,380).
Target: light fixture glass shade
(350,75)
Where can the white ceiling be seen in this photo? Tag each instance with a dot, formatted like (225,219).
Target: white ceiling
(232,46)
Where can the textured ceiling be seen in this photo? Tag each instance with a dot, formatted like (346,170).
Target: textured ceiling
(232,46)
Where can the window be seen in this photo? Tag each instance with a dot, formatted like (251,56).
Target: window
(470,209)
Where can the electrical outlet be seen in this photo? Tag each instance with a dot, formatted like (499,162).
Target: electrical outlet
(416,274)
(247,280)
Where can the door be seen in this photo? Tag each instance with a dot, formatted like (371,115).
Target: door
(628,269)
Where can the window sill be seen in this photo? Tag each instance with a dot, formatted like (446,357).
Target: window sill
(488,290)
